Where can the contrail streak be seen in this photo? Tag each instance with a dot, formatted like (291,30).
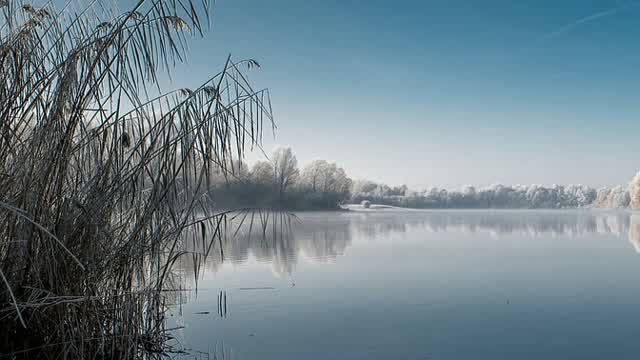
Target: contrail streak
(587,19)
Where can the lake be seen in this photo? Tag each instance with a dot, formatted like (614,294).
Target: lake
(393,284)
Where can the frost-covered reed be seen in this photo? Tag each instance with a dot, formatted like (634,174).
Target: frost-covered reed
(101,171)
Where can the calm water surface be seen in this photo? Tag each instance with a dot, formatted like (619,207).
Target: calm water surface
(390,284)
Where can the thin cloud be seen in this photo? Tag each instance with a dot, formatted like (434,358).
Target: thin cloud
(587,19)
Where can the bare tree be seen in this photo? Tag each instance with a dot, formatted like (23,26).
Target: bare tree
(325,177)
(262,173)
(285,166)
(313,173)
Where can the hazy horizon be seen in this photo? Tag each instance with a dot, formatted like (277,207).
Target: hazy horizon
(442,93)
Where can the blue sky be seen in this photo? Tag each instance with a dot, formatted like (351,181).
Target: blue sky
(445,92)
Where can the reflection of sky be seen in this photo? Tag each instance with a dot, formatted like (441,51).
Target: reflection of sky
(548,285)
(320,238)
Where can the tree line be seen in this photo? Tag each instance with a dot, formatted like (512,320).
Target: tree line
(496,196)
(278,182)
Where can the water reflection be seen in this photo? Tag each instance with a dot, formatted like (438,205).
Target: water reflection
(322,237)
(531,223)
(417,284)
(634,231)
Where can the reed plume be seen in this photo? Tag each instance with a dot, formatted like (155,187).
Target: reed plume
(102,172)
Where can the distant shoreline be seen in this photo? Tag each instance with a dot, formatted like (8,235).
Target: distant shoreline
(374,207)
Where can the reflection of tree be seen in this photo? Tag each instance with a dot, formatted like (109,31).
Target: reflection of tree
(279,242)
(634,232)
(324,236)
(531,223)
(324,243)
(496,222)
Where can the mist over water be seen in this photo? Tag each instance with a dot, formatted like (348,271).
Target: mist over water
(386,284)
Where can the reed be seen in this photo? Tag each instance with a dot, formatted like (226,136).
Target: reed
(102,172)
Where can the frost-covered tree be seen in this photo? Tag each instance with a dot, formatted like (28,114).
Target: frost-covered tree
(634,192)
(262,173)
(469,191)
(327,178)
(335,180)
(494,196)
(313,174)
(612,198)
(363,187)
(233,170)
(285,167)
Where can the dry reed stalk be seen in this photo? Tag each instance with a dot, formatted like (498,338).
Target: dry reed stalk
(101,173)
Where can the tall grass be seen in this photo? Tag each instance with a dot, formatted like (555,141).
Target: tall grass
(101,172)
